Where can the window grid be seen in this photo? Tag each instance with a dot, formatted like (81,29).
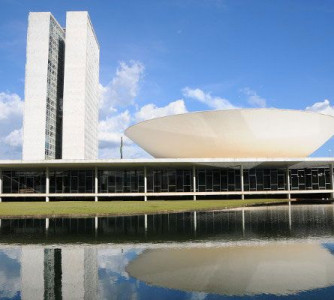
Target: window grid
(18,182)
(121,181)
(169,180)
(218,180)
(71,181)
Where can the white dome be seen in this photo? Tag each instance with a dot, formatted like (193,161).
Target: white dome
(236,133)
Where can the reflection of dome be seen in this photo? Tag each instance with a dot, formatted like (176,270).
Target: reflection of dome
(274,268)
(234,133)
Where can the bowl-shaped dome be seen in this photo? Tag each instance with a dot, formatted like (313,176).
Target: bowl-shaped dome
(234,133)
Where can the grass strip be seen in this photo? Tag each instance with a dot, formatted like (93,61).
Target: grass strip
(117,208)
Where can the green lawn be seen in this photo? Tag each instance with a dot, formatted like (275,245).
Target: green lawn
(83,208)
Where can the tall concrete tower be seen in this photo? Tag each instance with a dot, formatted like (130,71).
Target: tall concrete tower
(61,88)
(81,88)
(44,85)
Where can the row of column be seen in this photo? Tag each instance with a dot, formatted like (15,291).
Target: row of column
(241,182)
(195,182)
(96,182)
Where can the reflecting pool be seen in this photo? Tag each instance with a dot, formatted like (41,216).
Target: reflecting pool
(262,253)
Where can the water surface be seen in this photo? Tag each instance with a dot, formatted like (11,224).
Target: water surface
(263,253)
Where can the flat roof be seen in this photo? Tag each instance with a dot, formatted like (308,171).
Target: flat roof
(309,162)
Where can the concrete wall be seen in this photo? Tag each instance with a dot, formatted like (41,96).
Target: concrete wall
(80,115)
(36,86)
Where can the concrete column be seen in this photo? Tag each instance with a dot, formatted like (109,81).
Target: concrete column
(145,184)
(145,222)
(290,218)
(1,186)
(242,182)
(243,221)
(96,184)
(194,183)
(96,223)
(47,185)
(332,180)
(288,183)
(195,222)
(47,221)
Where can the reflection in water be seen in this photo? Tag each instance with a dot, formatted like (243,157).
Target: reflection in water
(282,269)
(53,273)
(10,284)
(255,252)
(275,268)
(233,225)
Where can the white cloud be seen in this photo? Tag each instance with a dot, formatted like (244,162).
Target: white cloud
(206,98)
(253,98)
(111,129)
(151,111)
(14,138)
(120,92)
(11,111)
(10,104)
(323,107)
(123,88)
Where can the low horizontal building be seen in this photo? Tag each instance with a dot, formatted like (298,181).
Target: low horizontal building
(145,179)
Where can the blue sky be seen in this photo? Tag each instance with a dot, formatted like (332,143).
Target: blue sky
(161,57)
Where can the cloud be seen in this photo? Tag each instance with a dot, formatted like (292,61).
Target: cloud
(10,104)
(111,129)
(122,90)
(118,94)
(11,111)
(323,107)
(151,111)
(253,98)
(14,138)
(207,98)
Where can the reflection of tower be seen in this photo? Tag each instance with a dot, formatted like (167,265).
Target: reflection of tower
(67,273)
(91,274)
(52,273)
(32,273)
(80,273)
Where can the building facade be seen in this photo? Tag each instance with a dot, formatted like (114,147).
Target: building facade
(44,84)
(166,178)
(81,88)
(61,88)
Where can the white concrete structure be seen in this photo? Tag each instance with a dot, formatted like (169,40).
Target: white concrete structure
(81,88)
(61,88)
(237,133)
(43,87)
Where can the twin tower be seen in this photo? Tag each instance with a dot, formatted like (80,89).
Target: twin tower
(61,88)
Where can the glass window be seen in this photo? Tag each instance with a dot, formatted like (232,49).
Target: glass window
(28,181)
